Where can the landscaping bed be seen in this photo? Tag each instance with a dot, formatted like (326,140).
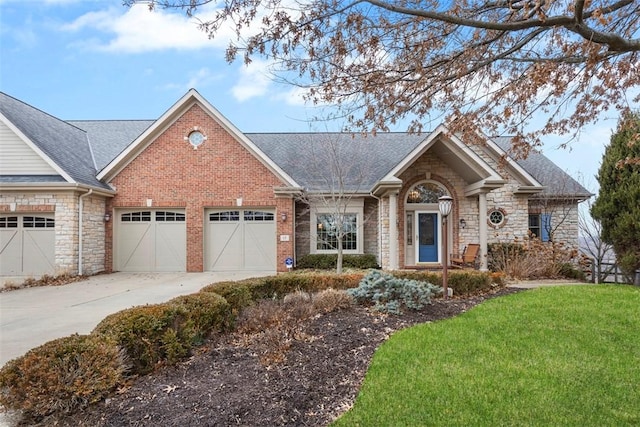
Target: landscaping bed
(234,380)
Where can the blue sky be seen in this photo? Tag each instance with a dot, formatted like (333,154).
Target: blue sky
(100,60)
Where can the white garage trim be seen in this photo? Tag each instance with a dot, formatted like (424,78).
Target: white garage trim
(240,240)
(27,244)
(149,240)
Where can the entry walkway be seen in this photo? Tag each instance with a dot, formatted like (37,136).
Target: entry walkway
(30,317)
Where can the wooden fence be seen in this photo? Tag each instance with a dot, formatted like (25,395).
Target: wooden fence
(613,274)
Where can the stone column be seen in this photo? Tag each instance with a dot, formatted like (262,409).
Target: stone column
(393,231)
(482,220)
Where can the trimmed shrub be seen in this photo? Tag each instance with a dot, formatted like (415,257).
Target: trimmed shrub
(329,261)
(461,281)
(206,312)
(391,294)
(62,375)
(150,334)
(237,294)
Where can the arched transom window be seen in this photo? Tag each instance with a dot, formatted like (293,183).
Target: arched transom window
(425,192)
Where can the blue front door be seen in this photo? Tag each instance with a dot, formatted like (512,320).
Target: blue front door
(427,237)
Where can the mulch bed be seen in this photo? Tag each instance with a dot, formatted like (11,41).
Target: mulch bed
(228,383)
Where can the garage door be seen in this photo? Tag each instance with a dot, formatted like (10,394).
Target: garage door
(150,240)
(27,245)
(240,240)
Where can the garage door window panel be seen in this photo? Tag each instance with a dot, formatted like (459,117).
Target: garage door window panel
(224,216)
(144,216)
(9,222)
(38,222)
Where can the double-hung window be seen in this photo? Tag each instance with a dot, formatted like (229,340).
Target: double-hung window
(540,226)
(340,226)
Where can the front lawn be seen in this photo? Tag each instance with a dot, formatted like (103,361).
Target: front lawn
(558,356)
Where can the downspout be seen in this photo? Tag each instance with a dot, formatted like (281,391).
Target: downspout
(379,226)
(80,222)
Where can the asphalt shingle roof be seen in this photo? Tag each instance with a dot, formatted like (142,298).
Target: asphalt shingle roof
(108,138)
(84,147)
(62,142)
(306,157)
(555,180)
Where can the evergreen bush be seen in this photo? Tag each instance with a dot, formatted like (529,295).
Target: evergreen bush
(392,294)
(150,334)
(62,375)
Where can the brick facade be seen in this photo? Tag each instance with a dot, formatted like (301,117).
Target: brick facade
(171,173)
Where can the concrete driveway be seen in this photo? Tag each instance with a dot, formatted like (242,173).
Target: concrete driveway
(30,317)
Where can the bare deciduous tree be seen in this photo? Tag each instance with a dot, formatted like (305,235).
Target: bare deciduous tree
(592,245)
(492,64)
(337,177)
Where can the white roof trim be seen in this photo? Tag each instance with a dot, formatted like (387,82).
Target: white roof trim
(35,148)
(458,147)
(191,97)
(512,163)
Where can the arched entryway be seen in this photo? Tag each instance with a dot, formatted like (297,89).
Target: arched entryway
(423,223)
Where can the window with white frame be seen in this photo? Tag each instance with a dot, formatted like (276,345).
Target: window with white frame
(331,227)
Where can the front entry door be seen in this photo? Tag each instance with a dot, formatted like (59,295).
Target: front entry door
(427,237)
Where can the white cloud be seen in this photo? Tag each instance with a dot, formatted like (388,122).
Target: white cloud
(254,81)
(200,79)
(140,30)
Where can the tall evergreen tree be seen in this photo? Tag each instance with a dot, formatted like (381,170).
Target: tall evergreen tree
(618,204)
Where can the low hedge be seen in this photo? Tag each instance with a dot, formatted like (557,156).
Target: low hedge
(243,293)
(62,375)
(329,261)
(166,333)
(461,281)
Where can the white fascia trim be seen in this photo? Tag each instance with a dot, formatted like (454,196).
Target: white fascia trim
(35,148)
(512,163)
(459,147)
(38,186)
(190,98)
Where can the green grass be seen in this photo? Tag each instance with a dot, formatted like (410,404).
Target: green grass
(557,356)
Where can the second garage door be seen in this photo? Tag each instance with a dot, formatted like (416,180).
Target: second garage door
(238,240)
(150,240)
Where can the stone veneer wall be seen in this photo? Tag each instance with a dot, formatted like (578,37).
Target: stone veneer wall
(516,210)
(93,231)
(64,206)
(384,233)
(370,226)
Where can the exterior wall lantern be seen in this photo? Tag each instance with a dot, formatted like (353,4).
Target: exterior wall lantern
(283,216)
(445,203)
(463,224)
(107,217)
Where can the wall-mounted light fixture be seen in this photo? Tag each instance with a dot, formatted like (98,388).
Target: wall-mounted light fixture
(283,216)
(463,223)
(107,217)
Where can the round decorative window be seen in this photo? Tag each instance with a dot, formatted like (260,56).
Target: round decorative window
(196,138)
(496,218)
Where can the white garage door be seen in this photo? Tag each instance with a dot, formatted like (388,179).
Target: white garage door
(240,240)
(27,244)
(150,240)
